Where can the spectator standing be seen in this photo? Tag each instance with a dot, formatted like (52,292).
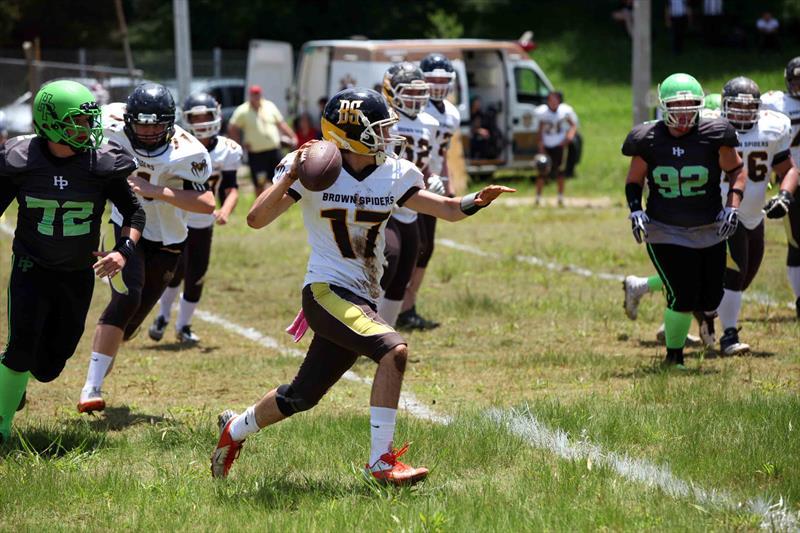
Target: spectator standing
(677,20)
(305,130)
(479,134)
(257,125)
(768,30)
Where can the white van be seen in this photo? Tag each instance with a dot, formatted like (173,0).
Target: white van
(500,73)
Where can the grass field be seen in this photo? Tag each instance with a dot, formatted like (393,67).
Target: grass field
(554,412)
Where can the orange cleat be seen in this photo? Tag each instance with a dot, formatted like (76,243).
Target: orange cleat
(91,401)
(389,470)
(227,449)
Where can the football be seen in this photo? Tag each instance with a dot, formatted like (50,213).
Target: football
(321,167)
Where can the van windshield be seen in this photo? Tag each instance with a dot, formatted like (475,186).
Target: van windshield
(531,89)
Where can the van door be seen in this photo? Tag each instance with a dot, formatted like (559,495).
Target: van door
(270,65)
(528,89)
(313,67)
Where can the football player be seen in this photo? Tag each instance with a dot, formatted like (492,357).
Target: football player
(682,159)
(788,103)
(173,169)
(405,89)
(558,125)
(764,138)
(61,178)
(346,226)
(203,117)
(440,77)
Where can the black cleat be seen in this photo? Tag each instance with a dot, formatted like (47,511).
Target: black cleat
(411,320)
(156,331)
(729,343)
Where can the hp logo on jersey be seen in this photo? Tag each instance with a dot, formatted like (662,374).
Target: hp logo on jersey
(60,182)
(677,151)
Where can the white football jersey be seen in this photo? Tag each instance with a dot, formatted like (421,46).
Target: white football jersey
(419,132)
(449,122)
(346,223)
(789,106)
(186,159)
(225,156)
(556,123)
(758,147)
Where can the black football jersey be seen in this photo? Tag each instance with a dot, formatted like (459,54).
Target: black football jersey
(61,200)
(683,173)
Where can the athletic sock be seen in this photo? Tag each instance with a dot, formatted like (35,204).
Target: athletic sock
(98,366)
(794,279)
(166,301)
(244,425)
(675,356)
(654,284)
(185,313)
(676,327)
(389,309)
(382,422)
(12,387)
(729,309)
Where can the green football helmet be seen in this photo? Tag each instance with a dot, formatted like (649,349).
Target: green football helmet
(713,101)
(680,88)
(57,106)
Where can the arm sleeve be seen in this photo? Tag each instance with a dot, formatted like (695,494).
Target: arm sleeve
(632,145)
(411,182)
(121,195)
(228,180)
(729,136)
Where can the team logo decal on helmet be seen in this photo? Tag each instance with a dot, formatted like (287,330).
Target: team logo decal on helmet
(150,104)
(741,102)
(405,88)
(439,74)
(681,98)
(66,112)
(194,108)
(358,120)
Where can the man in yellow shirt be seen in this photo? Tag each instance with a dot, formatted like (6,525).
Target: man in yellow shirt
(258,126)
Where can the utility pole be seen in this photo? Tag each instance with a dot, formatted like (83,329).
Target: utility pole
(183,47)
(641,60)
(123,32)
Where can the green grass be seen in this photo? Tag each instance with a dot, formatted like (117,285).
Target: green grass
(513,335)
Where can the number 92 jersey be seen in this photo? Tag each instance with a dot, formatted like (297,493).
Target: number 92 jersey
(419,134)
(346,223)
(683,173)
(762,147)
(184,165)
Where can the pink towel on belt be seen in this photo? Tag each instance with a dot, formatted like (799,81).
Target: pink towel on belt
(298,327)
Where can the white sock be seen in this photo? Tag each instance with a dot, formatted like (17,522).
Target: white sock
(729,309)
(98,366)
(794,279)
(244,425)
(389,309)
(185,313)
(381,421)
(167,299)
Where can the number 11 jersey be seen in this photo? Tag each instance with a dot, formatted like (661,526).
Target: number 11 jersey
(683,173)
(346,222)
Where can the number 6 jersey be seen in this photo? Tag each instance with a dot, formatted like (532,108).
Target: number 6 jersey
(346,222)
(683,173)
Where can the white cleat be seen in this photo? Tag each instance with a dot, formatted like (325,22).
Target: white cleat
(186,336)
(634,287)
(91,400)
(729,343)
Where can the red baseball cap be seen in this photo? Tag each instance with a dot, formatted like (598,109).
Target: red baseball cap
(255,89)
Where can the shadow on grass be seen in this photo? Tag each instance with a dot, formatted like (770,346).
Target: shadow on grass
(657,369)
(119,418)
(53,442)
(180,347)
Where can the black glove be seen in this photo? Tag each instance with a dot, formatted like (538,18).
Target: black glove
(778,206)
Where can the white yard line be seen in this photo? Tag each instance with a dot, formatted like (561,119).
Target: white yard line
(775,516)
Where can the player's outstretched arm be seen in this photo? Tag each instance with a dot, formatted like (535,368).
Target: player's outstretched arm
(189,199)
(458,208)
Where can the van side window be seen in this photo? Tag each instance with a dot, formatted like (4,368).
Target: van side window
(530,87)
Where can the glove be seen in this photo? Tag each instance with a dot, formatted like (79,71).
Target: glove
(436,185)
(729,220)
(639,221)
(778,206)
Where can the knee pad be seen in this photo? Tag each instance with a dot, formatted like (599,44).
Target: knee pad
(289,402)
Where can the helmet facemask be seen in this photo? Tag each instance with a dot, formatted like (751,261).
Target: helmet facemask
(206,129)
(440,82)
(153,140)
(741,110)
(793,84)
(411,98)
(681,111)
(87,133)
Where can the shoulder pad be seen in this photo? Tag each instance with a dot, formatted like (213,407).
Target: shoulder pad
(17,150)
(113,160)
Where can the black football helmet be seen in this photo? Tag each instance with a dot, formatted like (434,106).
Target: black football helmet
(741,102)
(792,77)
(405,88)
(202,104)
(148,104)
(436,67)
(358,120)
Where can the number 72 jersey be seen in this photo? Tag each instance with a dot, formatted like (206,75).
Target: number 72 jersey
(683,173)
(346,223)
